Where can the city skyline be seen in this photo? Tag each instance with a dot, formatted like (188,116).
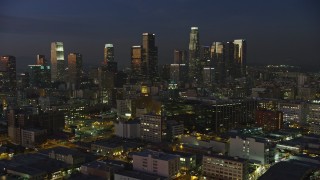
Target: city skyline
(277,27)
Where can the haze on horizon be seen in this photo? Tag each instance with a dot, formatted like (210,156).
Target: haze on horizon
(281,32)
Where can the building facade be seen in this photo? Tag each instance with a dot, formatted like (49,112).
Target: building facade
(224,167)
(57,61)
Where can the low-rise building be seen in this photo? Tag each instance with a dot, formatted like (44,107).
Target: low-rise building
(135,175)
(66,155)
(255,149)
(224,167)
(33,137)
(158,163)
(106,148)
(128,129)
(104,169)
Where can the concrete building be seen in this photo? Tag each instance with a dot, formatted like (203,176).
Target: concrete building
(104,169)
(106,148)
(66,155)
(128,129)
(293,112)
(32,137)
(74,70)
(135,175)
(255,149)
(152,128)
(157,163)
(175,129)
(269,120)
(57,61)
(224,167)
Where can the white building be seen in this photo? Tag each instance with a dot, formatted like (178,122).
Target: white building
(257,150)
(151,128)
(159,163)
(127,129)
(224,167)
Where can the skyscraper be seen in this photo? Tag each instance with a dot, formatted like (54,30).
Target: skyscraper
(109,63)
(240,56)
(108,53)
(194,57)
(8,79)
(57,61)
(136,60)
(41,60)
(228,48)
(74,69)
(149,56)
(216,52)
(179,57)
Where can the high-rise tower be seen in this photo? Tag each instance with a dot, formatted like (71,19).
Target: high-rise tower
(195,69)
(57,61)
(108,53)
(149,56)
(240,57)
(41,60)
(8,78)
(179,57)
(74,69)
(217,56)
(136,60)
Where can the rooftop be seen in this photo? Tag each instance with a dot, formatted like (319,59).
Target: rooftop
(293,170)
(155,155)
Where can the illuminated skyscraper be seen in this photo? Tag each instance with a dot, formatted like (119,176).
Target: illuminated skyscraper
(136,60)
(109,63)
(74,69)
(8,79)
(194,56)
(240,57)
(108,53)
(149,56)
(57,61)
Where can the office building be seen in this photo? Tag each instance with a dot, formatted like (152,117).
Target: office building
(294,112)
(149,56)
(127,129)
(217,57)
(208,76)
(152,128)
(224,167)
(39,76)
(179,57)
(195,75)
(240,57)
(158,163)
(31,137)
(108,53)
(255,149)
(41,60)
(106,84)
(8,78)
(57,62)
(136,61)
(74,70)
(110,64)
(269,120)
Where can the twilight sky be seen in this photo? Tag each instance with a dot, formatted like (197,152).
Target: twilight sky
(277,31)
